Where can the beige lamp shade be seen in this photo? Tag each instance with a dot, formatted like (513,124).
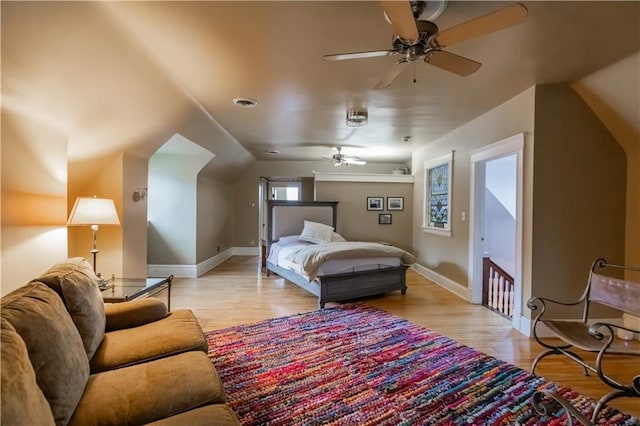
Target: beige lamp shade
(93,211)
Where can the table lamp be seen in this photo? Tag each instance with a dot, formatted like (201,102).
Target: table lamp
(93,211)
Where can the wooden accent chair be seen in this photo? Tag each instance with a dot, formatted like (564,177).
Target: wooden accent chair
(596,337)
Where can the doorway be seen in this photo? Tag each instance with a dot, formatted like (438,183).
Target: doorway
(278,188)
(496,217)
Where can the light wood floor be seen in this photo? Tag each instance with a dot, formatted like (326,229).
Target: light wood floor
(236,292)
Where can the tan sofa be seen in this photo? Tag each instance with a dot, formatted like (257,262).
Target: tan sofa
(69,359)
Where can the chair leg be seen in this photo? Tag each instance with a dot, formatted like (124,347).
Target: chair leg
(617,393)
(543,355)
(547,408)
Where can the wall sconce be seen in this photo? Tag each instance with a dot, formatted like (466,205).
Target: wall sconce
(139,194)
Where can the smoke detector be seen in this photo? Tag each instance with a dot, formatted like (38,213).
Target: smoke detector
(357,118)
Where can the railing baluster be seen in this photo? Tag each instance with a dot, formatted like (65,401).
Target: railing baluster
(498,288)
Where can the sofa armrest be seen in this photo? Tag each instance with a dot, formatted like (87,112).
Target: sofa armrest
(133,313)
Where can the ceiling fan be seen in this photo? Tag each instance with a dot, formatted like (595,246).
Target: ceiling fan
(340,159)
(417,39)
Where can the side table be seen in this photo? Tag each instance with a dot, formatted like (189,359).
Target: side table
(123,289)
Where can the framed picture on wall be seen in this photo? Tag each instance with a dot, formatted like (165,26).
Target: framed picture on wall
(375,203)
(395,203)
(384,219)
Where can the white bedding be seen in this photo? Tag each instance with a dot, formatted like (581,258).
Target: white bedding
(284,252)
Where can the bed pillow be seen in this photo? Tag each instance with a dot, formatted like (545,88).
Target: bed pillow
(335,237)
(315,232)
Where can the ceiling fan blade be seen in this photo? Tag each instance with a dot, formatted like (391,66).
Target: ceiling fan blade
(485,24)
(454,63)
(392,74)
(401,17)
(358,55)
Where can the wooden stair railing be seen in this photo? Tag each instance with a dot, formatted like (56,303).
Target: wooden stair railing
(497,288)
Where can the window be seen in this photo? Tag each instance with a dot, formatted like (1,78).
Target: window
(437,199)
(283,193)
(285,190)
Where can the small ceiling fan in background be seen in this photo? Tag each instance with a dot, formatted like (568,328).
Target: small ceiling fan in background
(417,39)
(340,159)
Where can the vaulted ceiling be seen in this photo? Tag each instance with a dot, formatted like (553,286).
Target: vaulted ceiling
(125,76)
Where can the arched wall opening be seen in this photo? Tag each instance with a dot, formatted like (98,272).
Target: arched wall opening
(173,204)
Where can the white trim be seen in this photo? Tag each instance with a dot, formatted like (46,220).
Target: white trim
(204,267)
(523,325)
(195,271)
(501,147)
(437,231)
(444,282)
(508,146)
(180,271)
(363,177)
(476,229)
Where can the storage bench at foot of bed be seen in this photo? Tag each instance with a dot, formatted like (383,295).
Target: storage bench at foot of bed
(340,287)
(351,285)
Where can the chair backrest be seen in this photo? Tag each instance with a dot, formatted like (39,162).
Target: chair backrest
(614,292)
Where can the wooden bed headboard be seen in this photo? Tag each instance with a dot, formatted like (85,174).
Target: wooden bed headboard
(287,217)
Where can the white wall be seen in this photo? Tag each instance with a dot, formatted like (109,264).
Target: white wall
(246,190)
(500,212)
(108,183)
(172,206)
(215,217)
(448,256)
(134,217)
(612,94)
(34,214)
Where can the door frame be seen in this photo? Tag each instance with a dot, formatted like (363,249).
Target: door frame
(511,145)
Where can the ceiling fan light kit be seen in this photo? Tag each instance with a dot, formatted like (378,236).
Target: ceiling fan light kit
(357,118)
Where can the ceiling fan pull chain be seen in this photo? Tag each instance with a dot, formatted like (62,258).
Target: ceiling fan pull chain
(414,73)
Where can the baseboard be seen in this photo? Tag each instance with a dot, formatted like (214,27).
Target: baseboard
(195,271)
(444,282)
(212,262)
(181,271)
(524,326)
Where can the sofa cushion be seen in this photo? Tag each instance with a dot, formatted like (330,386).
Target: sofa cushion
(53,343)
(178,332)
(73,279)
(134,313)
(216,414)
(22,400)
(150,391)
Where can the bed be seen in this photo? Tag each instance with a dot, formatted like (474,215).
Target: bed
(339,270)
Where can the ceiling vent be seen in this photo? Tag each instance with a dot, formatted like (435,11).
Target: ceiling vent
(245,102)
(357,118)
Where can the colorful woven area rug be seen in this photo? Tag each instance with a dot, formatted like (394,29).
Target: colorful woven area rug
(359,365)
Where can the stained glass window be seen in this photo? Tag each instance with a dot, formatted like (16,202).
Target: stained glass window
(438,194)
(438,177)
